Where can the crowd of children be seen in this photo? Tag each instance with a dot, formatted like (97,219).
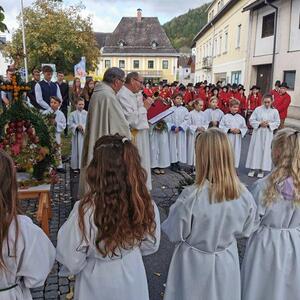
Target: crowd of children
(201,107)
(116,223)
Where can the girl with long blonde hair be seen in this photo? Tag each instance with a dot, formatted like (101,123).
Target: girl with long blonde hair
(271,266)
(110,229)
(26,255)
(205,222)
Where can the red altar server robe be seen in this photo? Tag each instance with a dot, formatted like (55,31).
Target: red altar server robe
(188,96)
(148,92)
(165,94)
(224,101)
(243,101)
(282,104)
(275,95)
(254,101)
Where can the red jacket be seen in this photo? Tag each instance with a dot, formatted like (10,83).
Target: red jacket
(188,96)
(148,92)
(254,101)
(282,103)
(224,101)
(243,101)
(165,94)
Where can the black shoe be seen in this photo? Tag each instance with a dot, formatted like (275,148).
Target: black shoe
(65,159)
(173,167)
(178,167)
(61,170)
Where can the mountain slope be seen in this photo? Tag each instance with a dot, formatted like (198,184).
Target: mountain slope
(182,29)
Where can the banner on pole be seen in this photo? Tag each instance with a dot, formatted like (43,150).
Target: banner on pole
(80,70)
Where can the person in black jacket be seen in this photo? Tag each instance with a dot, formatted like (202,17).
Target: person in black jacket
(36,74)
(64,90)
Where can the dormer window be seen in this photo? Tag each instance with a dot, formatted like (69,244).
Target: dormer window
(121,43)
(154,45)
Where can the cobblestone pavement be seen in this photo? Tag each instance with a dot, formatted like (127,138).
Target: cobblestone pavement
(165,192)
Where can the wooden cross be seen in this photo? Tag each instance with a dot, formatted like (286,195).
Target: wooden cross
(14,87)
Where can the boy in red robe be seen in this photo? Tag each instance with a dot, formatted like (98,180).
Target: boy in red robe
(282,103)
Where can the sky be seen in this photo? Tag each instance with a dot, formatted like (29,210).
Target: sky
(106,14)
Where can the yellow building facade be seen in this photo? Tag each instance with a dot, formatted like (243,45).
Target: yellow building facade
(221,45)
(150,67)
(138,44)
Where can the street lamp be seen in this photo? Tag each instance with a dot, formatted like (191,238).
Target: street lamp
(24,42)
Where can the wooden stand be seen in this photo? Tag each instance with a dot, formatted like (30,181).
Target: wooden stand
(44,211)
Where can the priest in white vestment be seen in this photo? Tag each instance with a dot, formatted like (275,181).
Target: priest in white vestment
(105,117)
(135,111)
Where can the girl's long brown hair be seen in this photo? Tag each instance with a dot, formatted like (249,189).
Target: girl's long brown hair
(286,159)
(215,164)
(8,201)
(86,90)
(123,210)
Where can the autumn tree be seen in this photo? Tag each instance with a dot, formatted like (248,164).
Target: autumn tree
(55,34)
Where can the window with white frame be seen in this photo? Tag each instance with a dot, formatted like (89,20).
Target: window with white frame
(268,25)
(136,64)
(215,47)
(238,36)
(220,45)
(107,63)
(122,64)
(150,64)
(165,64)
(236,77)
(290,77)
(225,42)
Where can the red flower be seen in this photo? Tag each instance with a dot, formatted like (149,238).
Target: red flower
(16,149)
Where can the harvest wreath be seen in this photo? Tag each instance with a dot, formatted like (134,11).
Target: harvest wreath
(28,136)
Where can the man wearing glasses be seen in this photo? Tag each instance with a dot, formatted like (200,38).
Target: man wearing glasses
(135,111)
(105,117)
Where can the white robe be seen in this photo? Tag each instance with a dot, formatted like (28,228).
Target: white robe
(228,122)
(205,263)
(196,120)
(99,277)
(178,140)
(159,148)
(271,265)
(136,115)
(213,115)
(30,265)
(77,118)
(259,153)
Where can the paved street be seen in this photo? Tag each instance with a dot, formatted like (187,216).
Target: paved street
(164,193)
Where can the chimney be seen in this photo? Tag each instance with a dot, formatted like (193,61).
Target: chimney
(139,15)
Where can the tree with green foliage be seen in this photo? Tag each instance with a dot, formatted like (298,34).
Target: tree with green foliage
(182,29)
(55,34)
(3,27)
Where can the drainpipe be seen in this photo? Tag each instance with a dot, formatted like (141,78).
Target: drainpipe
(275,40)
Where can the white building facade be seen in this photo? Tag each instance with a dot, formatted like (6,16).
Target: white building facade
(287,52)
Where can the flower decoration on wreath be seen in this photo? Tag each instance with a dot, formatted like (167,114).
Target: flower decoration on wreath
(27,135)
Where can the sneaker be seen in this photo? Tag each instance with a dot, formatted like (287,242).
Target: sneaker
(156,171)
(251,174)
(260,175)
(162,172)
